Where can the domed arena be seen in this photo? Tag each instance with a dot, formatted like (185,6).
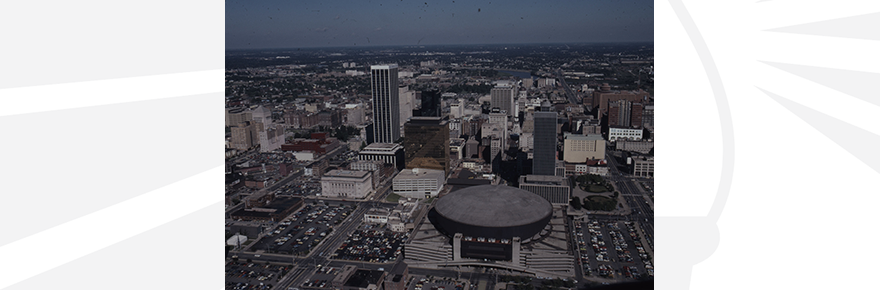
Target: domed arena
(492,211)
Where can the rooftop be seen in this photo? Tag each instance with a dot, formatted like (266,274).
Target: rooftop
(420,173)
(578,137)
(346,173)
(382,147)
(384,66)
(493,206)
(363,278)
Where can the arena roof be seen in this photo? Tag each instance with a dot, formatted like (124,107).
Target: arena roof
(493,206)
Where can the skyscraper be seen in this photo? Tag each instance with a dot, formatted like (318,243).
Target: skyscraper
(625,113)
(386,106)
(545,143)
(426,144)
(502,98)
(430,104)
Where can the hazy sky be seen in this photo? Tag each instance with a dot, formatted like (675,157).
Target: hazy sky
(291,24)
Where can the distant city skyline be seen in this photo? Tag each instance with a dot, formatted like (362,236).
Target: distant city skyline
(280,24)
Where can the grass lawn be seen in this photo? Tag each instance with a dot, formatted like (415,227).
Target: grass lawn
(392,197)
(598,198)
(596,188)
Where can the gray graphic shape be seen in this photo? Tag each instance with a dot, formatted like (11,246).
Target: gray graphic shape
(859,142)
(133,262)
(857,27)
(52,42)
(696,238)
(854,83)
(78,161)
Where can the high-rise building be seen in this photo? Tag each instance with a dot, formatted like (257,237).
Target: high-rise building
(426,144)
(502,98)
(545,143)
(625,114)
(604,96)
(386,106)
(648,116)
(243,135)
(430,104)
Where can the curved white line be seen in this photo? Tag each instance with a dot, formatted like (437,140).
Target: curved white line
(72,240)
(35,99)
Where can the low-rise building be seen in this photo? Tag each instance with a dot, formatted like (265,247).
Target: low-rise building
(348,184)
(643,166)
(390,153)
(419,183)
(554,189)
(636,146)
(615,133)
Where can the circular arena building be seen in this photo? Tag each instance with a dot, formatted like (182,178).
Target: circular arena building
(492,211)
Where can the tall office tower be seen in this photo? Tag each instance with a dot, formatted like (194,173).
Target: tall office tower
(502,98)
(407,102)
(545,143)
(386,106)
(430,104)
(426,144)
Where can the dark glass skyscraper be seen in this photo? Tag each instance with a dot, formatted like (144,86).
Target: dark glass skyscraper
(426,144)
(544,162)
(430,107)
(386,103)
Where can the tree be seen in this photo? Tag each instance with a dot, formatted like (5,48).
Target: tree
(575,203)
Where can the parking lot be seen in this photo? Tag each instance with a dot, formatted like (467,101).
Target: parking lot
(302,231)
(301,186)
(612,249)
(371,245)
(248,275)
(322,277)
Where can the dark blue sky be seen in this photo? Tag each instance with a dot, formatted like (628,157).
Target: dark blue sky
(331,23)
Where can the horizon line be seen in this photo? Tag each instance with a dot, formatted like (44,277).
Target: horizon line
(427,45)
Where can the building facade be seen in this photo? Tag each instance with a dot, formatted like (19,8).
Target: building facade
(643,166)
(625,114)
(426,143)
(544,162)
(502,98)
(419,183)
(390,153)
(580,148)
(386,103)
(617,133)
(554,189)
(643,147)
(347,184)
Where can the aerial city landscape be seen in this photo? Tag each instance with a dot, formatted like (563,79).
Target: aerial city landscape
(433,167)
(394,145)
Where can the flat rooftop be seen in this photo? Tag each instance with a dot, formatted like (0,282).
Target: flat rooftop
(346,173)
(381,147)
(384,66)
(408,174)
(363,278)
(578,137)
(531,178)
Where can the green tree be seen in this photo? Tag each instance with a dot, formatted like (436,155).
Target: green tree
(575,203)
